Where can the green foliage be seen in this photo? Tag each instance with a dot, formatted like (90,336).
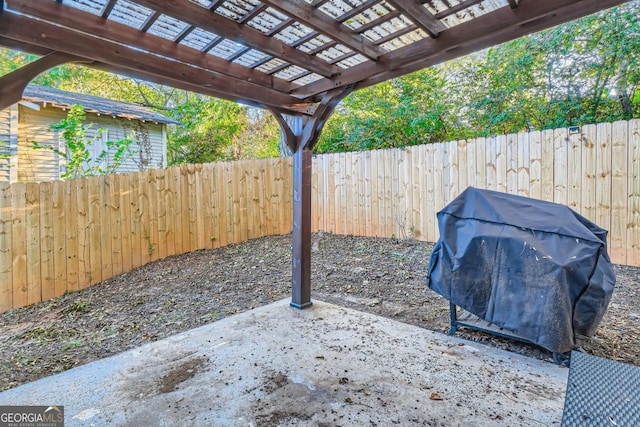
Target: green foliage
(11,60)
(406,111)
(3,147)
(78,159)
(216,130)
(586,71)
(208,129)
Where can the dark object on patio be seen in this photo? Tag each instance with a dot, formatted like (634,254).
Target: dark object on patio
(535,269)
(601,392)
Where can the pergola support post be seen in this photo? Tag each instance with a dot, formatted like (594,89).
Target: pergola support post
(301,273)
(301,133)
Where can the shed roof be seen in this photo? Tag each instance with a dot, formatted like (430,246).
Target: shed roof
(92,104)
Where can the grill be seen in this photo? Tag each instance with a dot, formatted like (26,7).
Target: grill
(533,269)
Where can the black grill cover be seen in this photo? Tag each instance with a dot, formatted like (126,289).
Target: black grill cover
(534,268)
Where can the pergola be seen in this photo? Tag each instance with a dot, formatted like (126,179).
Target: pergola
(297,58)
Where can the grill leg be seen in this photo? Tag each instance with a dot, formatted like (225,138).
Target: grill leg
(454,319)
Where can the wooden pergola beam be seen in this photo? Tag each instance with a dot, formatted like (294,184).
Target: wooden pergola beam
(199,16)
(457,8)
(503,25)
(77,19)
(12,85)
(108,8)
(421,16)
(319,21)
(138,74)
(33,32)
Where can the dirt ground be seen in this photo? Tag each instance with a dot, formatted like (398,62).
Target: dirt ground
(381,276)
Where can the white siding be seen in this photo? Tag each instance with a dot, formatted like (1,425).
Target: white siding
(5,135)
(148,150)
(34,126)
(8,144)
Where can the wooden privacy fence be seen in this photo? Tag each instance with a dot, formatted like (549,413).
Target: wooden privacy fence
(66,235)
(595,171)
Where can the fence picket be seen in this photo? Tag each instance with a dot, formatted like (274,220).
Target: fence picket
(524,162)
(59,212)
(375,190)
(34,288)
(463,165)
(535,164)
(151,218)
(207,205)
(104,184)
(472,173)
(47,281)
(588,185)
(560,172)
(71,245)
(431,208)
(574,171)
(316,195)
(124,192)
(83,234)
(6,249)
(200,205)
(512,163)
(547,166)
(481,163)
(603,177)
(20,297)
(136,220)
(619,192)
(438,158)
(491,157)
(115,224)
(186,209)
(501,163)
(95,236)
(160,179)
(633,205)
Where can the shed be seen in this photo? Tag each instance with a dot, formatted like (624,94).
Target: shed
(31,118)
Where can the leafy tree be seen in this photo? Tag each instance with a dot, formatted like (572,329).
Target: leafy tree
(585,71)
(413,109)
(208,129)
(259,138)
(581,72)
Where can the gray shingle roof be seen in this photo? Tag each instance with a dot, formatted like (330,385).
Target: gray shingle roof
(92,104)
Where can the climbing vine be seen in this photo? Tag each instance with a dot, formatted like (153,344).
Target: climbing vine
(78,158)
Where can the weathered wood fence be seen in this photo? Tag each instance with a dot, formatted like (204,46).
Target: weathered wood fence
(64,236)
(595,171)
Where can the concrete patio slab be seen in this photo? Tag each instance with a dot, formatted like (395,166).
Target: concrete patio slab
(323,366)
